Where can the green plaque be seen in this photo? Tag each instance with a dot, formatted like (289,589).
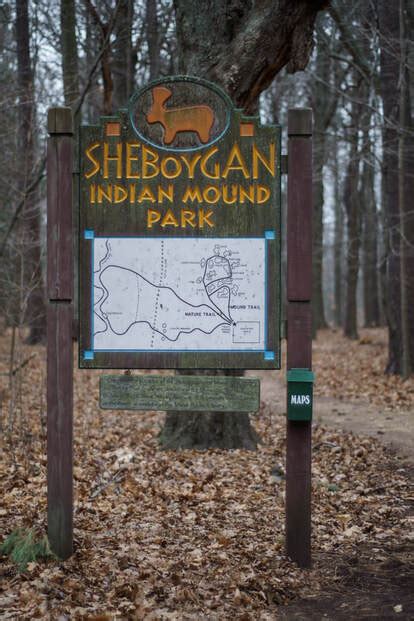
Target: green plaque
(300,394)
(180,233)
(193,393)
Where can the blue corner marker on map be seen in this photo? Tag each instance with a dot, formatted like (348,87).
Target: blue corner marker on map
(88,234)
(88,355)
(270,235)
(269,355)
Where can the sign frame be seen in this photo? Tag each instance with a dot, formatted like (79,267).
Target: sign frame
(60,280)
(249,221)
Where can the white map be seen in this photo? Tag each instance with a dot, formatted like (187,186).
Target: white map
(179,294)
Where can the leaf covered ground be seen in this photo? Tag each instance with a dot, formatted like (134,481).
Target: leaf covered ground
(200,535)
(354,370)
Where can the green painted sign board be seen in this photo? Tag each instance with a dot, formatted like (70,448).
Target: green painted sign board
(180,234)
(180,392)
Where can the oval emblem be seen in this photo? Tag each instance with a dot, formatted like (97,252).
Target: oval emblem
(180,113)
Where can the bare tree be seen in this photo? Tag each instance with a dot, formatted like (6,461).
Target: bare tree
(352,202)
(69,51)
(31,211)
(398,183)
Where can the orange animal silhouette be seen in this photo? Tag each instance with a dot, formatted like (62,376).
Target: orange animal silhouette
(198,119)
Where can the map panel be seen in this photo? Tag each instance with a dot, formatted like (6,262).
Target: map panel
(179,294)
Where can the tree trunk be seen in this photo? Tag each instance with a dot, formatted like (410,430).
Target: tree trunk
(241,46)
(406,361)
(153,39)
(33,282)
(388,22)
(70,72)
(369,242)
(352,202)
(202,430)
(325,88)
(69,51)
(370,249)
(122,55)
(338,242)
(318,309)
(92,107)
(408,156)
(322,118)
(106,70)
(398,158)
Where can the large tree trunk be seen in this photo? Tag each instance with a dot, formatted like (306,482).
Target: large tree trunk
(388,23)
(201,430)
(241,46)
(398,179)
(406,279)
(33,283)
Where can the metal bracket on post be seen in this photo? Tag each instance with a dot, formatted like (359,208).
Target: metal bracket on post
(299,331)
(59,332)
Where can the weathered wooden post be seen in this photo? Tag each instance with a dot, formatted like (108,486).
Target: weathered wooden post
(59,332)
(299,334)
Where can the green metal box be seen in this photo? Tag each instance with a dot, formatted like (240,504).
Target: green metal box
(300,394)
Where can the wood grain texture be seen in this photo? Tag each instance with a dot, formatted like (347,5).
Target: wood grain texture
(299,335)
(298,492)
(60,121)
(300,122)
(59,333)
(299,332)
(59,218)
(183,393)
(299,212)
(59,427)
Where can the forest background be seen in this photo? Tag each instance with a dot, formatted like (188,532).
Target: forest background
(169,531)
(358,82)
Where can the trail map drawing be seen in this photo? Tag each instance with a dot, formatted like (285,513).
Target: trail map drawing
(179,294)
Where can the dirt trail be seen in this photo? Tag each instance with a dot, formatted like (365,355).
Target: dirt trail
(375,591)
(393,428)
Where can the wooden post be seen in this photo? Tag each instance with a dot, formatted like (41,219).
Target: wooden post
(59,332)
(299,330)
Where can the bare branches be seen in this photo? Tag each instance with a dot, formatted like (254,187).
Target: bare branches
(351,44)
(27,191)
(40,173)
(103,56)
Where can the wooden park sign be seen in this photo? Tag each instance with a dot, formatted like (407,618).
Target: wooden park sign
(180,234)
(179,267)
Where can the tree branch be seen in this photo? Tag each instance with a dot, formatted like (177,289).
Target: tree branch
(41,169)
(350,43)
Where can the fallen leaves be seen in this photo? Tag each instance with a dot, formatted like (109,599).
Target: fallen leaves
(189,535)
(354,370)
